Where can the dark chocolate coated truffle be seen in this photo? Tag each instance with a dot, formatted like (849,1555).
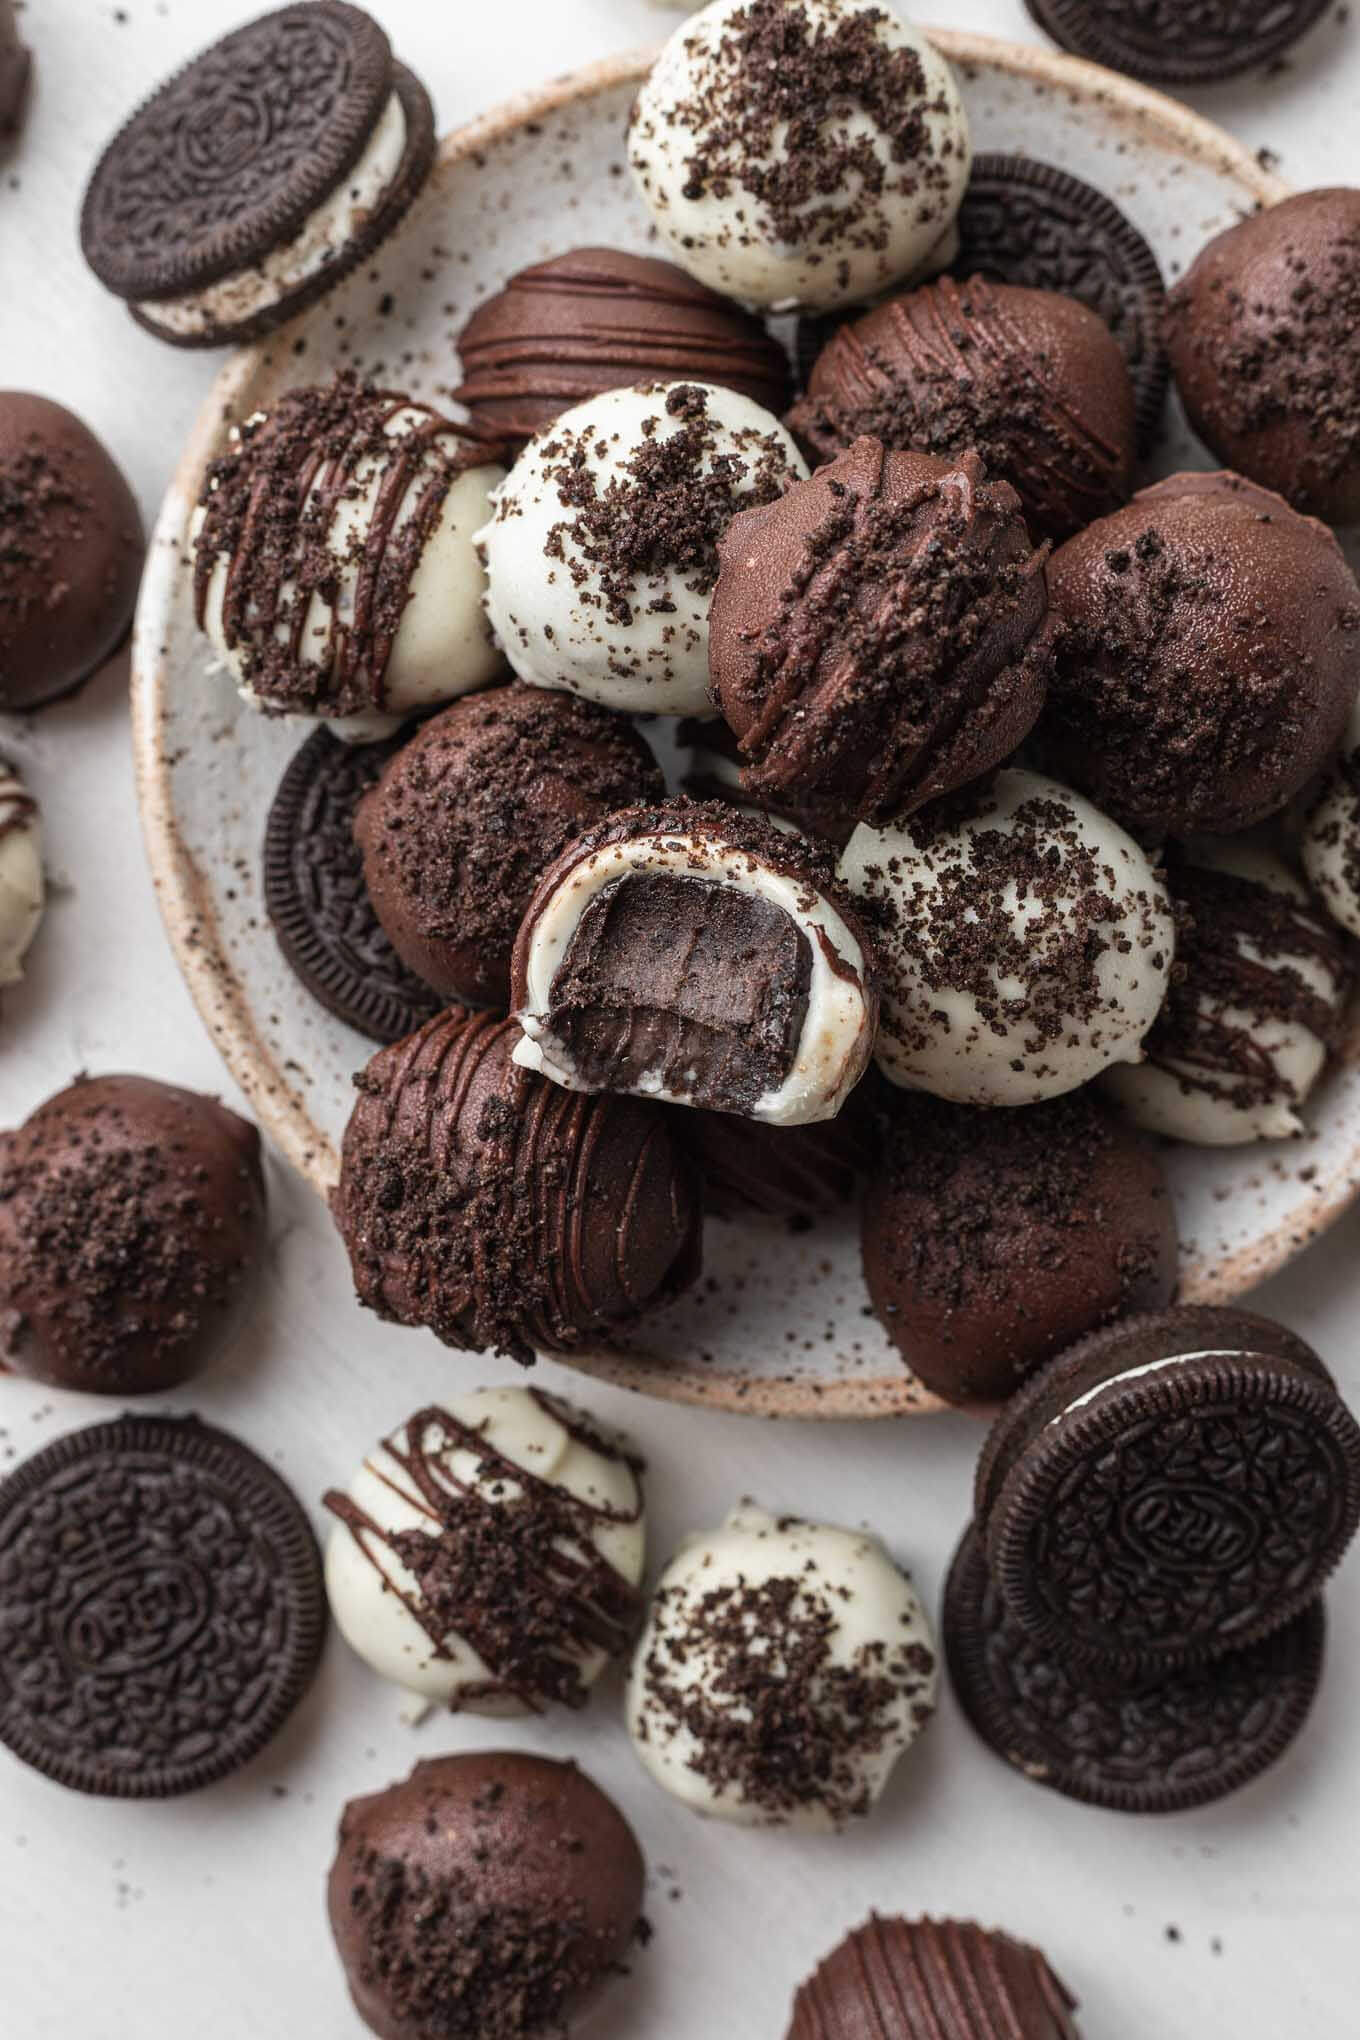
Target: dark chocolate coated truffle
(468,814)
(1032,381)
(795,1173)
(1208,655)
(993,1239)
(489,1896)
(70,551)
(479,1199)
(132,1219)
(1263,332)
(598,319)
(878,635)
(895,1979)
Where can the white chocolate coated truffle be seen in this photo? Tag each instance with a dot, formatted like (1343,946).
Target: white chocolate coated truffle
(784,1669)
(380,634)
(488,1554)
(602,551)
(1330,842)
(1245,1034)
(800,152)
(22,892)
(1027,942)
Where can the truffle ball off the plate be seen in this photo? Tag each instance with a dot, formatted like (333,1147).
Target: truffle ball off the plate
(1026,941)
(602,549)
(800,152)
(878,636)
(896,1979)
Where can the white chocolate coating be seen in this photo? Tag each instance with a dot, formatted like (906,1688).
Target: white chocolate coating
(22,892)
(372,1592)
(1330,843)
(834,1046)
(546,597)
(843,242)
(235,298)
(1193,1102)
(711,1623)
(975,1036)
(442,647)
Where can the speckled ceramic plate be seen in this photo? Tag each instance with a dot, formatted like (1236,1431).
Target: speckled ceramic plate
(779,1325)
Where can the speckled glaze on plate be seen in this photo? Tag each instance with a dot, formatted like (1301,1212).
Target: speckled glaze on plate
(779,1325)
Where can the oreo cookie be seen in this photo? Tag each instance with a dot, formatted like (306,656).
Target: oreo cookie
(162,1611)
(1186,42)
(258,176)
(1168,1490)
(316,898)
(1153,1746)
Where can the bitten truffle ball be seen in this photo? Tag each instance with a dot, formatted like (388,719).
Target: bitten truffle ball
(468,814)
(71,551)
(484,1202)
(490,1896)
(878,636)
(994,1239)
(1208,656)
(1263,332)
(132,1220)
(800,152)
(1030,380)
(1026,942)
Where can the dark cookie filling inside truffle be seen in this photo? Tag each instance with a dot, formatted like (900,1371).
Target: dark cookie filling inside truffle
(700,986)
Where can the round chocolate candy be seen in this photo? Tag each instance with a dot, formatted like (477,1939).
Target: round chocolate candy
(896,1979)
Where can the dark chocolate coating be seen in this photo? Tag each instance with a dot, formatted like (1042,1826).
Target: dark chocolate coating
(71,551)
(1263,332)
(1032,381)
(480,1199)
(896,1979)
(1208,656)
(878,635)
(598,319)
(470,811)
(132,1221)
(795,1173)
(993,1239)
(489,1896)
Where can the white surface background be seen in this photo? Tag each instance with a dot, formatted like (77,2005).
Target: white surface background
(205,1916)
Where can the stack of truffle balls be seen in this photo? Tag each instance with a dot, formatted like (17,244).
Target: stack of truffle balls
(998,767)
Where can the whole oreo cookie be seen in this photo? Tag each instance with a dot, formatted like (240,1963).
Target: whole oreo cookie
(1156,1746)
(258,175)
(316,898)
(1177,42)
(1170,1489)
(162,1610)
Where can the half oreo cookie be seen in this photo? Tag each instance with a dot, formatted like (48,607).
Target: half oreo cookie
(1157,1745)
(316,898)
(162,1612)
(1177,44)
(258,176)
(1168,1490)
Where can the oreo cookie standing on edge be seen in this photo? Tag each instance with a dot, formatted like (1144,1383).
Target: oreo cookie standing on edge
(309,143)
(162,1611)
(316,898)
(1181,44)
(1170,1489)
(1160,1745)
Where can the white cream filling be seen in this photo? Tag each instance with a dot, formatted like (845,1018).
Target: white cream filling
(332,226)
(1079,1402)
(22,893)
(835,1039)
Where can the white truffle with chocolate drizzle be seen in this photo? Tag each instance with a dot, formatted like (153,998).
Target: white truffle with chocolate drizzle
(334,567)
(800,152)
(602,551)
(22,892)
(698,954)
(784,1669)
(488,1554)
(1254,1007)
(1027,942)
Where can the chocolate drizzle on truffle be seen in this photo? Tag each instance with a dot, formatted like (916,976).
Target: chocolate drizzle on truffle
(519,1575)
(896,1979)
